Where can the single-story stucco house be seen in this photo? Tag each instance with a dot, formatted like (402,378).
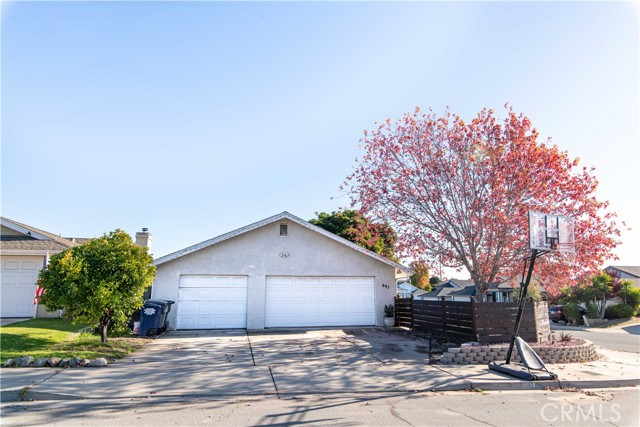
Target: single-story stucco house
(406,290)
(278,272)
(629,272)
(24,251)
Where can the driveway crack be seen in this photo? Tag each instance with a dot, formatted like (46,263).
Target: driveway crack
(393,411)
(274,382)
(364,349)
(250,348)
(473,418)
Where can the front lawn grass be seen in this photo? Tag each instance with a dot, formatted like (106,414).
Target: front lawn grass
(59,338)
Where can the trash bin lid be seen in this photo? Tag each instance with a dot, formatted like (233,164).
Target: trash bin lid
(156,301)
(152,303)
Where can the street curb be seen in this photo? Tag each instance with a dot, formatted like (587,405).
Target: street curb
(515,385)
(542,385)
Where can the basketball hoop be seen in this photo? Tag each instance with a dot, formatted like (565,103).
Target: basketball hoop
(547,233)
(551,232)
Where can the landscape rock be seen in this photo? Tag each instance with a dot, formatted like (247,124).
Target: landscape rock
(64,363)
(8,363)
(24,361)
(41,362)
(98,363)
(54,361)
(74,362)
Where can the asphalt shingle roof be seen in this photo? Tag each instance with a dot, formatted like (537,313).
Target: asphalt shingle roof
(634,270)
(28,243)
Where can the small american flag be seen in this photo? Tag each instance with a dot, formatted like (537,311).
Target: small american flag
(39,289)
(39,293)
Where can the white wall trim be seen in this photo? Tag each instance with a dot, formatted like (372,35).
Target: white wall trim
(23,230)
(26,252)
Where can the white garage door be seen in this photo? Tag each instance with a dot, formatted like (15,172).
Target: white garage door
(320,301)
(19,276)
(212,302)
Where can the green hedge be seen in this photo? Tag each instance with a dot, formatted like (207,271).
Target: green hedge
(619,311)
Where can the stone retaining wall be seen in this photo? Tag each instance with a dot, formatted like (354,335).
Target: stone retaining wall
(484,354)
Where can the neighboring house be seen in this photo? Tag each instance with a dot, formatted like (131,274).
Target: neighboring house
(502,292)
(278,272)
(631,273)
(406,289)
(451,290)
(464,290)
(24,251)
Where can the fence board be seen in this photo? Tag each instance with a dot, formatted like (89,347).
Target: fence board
(486,322)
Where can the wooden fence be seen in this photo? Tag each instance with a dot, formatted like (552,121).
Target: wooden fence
(487,322)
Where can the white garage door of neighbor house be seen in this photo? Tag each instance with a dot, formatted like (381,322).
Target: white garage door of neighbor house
(19,276)
(212,302)
(320,301)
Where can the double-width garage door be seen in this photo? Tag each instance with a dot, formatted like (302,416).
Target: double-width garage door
(218,302)
(319,301)
(212,302)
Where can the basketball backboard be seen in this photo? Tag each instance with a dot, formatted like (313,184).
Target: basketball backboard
(551,232)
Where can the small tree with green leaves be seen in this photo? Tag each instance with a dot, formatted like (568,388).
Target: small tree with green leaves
(350,224)
(595,292)
(420,279)
(100,282)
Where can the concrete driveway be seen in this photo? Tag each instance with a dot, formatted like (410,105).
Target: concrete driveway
(9,320)
(237,362)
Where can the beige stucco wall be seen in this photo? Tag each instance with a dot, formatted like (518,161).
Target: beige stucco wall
(256,254)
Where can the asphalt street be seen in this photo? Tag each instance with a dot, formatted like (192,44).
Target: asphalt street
(612,407)
(625,338)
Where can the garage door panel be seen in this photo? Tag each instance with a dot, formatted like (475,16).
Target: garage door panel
(9,278)
(11,265)
(212,302)
(319,301)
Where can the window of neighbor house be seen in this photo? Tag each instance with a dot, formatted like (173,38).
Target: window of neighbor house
(283,229)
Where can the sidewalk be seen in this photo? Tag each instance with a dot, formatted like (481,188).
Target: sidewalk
(155,379)
(219,363)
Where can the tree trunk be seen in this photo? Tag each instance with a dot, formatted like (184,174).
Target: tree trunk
(103,331)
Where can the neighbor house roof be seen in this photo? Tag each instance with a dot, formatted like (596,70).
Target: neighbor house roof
(272,219)
(632,270)
(32,238)
(452,287)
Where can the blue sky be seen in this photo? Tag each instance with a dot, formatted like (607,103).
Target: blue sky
(193,119)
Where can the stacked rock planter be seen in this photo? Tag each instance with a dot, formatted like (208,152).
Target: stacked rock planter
(482,354)
(54,362)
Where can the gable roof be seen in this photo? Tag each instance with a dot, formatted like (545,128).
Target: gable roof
(632,270)
(270,220)
(32,238)
(452,287)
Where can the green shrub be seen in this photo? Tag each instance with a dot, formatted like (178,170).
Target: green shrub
(592,310)
(572,312)
(630,296)
(619,311)
(389,311)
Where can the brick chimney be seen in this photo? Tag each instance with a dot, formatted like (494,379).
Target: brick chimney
(144,239)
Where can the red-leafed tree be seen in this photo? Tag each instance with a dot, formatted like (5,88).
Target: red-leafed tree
(458,194)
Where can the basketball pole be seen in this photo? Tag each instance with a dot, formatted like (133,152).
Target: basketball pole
(523,297)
